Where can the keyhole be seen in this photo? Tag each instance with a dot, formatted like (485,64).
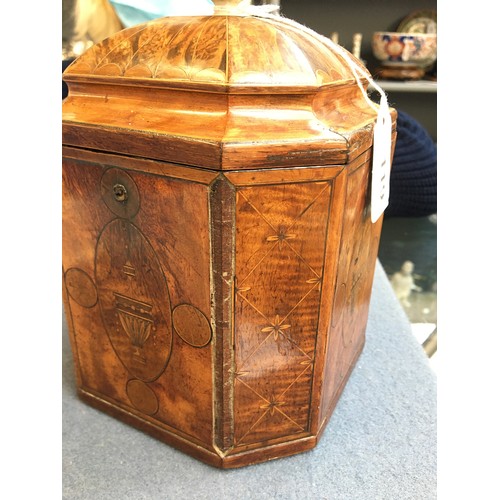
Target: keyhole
(120,192)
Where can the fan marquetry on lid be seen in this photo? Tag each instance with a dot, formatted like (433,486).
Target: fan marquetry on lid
(236,90)
(230,50)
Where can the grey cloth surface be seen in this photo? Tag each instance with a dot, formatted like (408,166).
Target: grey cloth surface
(379,444)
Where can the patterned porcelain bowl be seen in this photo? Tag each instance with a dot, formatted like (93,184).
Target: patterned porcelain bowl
(412,49)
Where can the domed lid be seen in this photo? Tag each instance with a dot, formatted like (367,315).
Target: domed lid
(229,51)
(230,91)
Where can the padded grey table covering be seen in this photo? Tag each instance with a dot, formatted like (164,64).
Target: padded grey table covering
(379,444)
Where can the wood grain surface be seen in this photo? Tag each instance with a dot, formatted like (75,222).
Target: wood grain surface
(218,252)
(188,90)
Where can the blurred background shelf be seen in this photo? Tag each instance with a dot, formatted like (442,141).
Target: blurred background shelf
(408,86)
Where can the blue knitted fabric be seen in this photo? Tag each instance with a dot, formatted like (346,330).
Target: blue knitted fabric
(413,188)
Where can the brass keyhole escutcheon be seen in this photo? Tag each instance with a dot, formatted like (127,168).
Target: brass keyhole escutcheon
(120,193)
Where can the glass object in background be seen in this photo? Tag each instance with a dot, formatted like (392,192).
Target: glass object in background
(85,22)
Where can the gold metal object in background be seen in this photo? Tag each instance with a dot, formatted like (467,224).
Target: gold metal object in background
(85,22)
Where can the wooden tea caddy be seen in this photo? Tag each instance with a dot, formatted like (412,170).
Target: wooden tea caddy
(218,251)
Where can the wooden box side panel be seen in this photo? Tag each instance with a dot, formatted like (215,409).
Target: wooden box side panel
(356,267)
(136,263)
(281,242)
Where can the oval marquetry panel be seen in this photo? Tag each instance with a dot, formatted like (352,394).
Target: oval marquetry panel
(134,300)
(338,304)
(142,397)
(191,325)
(80,287)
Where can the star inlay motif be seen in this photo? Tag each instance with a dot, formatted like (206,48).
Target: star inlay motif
(276,328)
(272,405)
(281,237)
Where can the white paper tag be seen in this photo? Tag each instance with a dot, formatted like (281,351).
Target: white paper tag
(381,168)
